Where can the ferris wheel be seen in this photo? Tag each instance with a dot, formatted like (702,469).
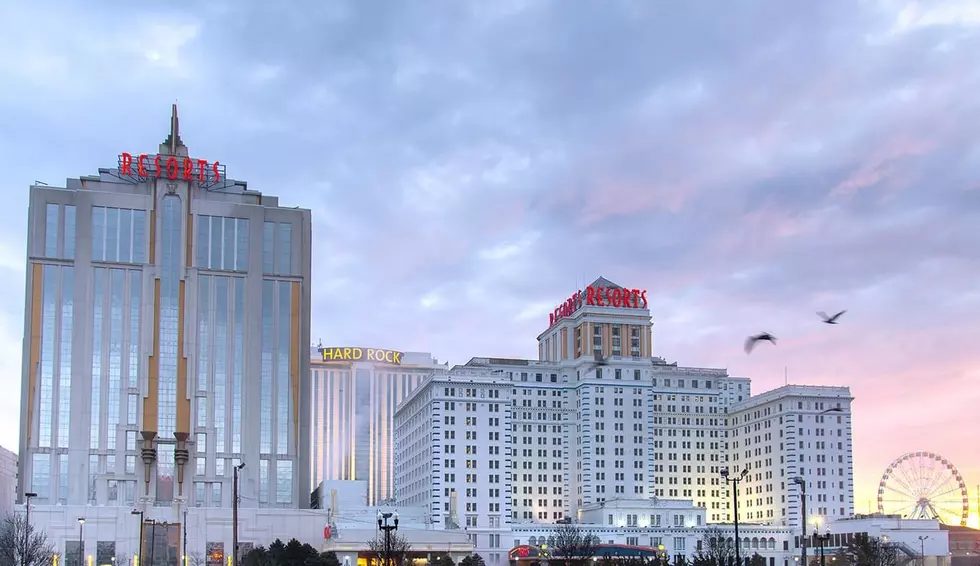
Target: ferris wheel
(924,485)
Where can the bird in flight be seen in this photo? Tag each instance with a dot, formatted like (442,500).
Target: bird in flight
(830,319)
(751,341)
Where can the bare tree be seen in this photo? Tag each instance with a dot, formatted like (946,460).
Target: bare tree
(865,550)
(573,545)
(393,552)
(22,544)
(716,549)
(196,559)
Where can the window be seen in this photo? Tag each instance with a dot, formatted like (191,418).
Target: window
(221,243)
(277,248)
(119,234)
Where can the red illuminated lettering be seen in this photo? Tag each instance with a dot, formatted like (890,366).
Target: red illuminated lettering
(169,166)
(617,298)
(600,297)
(173,168)
(126,164)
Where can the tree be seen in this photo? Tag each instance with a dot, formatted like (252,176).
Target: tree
(716,549)
(21,543)
(196,559)
(573,545)
(472,560)
(757,560)
(443,560)
(329,559)
(258,556)
(391,552)
(865,550)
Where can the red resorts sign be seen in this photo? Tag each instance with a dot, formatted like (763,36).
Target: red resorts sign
(170,167)
(599,297)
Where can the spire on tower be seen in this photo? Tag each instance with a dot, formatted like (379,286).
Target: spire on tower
(173,141)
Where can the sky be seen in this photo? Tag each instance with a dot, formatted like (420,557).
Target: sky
(469,164)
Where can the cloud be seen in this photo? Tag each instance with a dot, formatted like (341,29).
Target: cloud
(471,166)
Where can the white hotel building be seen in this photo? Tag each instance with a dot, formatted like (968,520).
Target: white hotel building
(504,447)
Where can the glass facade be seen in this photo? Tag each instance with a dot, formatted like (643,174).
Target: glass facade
(221,365)
(118,234)
(222,243)
(170,248)
(170,267)
(276,409)
(126,281)
(277,248)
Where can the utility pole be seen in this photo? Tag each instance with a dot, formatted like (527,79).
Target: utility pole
(387,529)
(185,539)
(802,483)
(140,513)
(153,540)
(735,482)
(922,550)
(234,514)
(27,524)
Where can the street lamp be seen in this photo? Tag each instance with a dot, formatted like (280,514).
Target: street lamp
(140,513)
(824,539)
(802,483)
(922,550)
(387,529)
(735,482)
(27,524)
(81,553)
(234,512)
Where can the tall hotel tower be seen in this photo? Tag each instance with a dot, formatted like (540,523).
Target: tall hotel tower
(355,392)
(166,342)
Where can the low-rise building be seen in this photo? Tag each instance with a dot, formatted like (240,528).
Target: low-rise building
(640,527)
(918,542)
(8,481)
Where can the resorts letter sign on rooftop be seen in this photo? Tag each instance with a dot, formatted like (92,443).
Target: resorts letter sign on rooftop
(361,355)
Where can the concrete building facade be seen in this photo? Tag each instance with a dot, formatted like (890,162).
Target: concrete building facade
(8,482)
(498,444)
(794,439)
(166,325)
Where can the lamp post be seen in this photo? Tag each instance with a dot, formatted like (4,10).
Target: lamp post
(185,540)
(139,562)
(153,540)
(735,482)
(824,539)
(387,528)
(81,552)
(802,483)
(922,550)
(234,514)
(27,523)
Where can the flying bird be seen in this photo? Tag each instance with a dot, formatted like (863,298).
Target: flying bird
(830,319)
(751,341)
